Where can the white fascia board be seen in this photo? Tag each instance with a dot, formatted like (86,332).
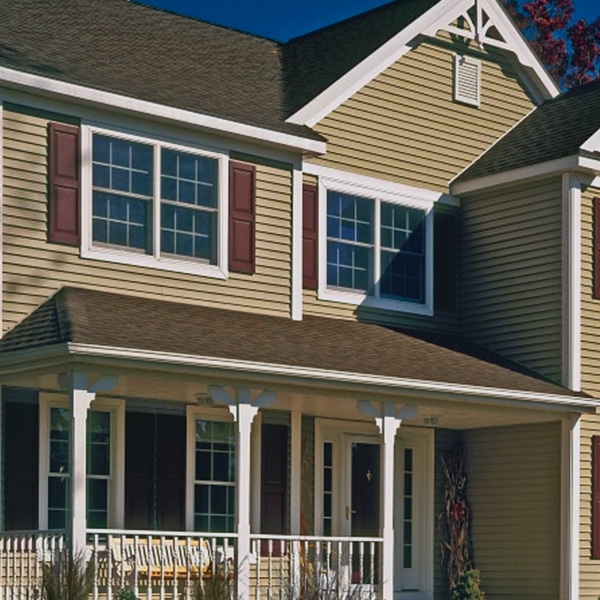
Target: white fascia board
(427,24)
(82,351)
(592,144)
(551,167)
(517,44)
(53,87)
(380,185)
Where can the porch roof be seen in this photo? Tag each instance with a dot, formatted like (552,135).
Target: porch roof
(75,317)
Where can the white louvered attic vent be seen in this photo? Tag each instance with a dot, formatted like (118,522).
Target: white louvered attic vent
(467,80)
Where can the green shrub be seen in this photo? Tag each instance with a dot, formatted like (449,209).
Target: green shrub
(125,594)
(467,587)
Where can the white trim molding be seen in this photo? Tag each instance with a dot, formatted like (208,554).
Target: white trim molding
(438,17)
(94,97)
(571,281)
(552,167)
(570,512)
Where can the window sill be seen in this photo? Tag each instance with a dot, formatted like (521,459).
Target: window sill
(357,298)
(174,265)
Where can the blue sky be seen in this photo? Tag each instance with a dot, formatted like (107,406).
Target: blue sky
(284,19)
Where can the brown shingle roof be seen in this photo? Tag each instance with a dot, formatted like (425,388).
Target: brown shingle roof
(127,322)
(556,129)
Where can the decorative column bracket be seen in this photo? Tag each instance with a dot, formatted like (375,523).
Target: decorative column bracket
(388,419)
(243,408)
(81,395)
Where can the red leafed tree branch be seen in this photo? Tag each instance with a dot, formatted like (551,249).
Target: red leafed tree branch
(570,50)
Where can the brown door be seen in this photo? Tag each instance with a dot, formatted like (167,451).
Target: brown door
(154,471)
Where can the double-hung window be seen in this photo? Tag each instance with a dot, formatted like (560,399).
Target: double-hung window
(377,249)
(155,204)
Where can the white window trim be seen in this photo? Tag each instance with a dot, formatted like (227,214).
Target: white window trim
(359,298)
(125,256)
(116,494)
(421,438)
(194,413)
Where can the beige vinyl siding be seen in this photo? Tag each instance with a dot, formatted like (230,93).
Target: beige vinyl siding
(589,570)
(34,268)
(511,273)
(513,485)
(590,307)
(404,125)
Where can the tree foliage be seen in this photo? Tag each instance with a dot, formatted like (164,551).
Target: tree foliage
(569,48)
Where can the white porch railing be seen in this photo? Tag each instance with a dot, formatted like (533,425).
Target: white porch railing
(161,565)
(310,568)
(22,557)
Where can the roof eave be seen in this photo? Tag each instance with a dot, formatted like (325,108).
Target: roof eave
(54,88)
(248,371)
(557,166)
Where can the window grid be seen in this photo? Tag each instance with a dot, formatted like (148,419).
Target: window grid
(174,213)
(408,508)
(327,488)
(214,483)
(383,255)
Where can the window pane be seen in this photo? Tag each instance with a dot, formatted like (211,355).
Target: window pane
(402,253)
(348,266)
(98,443)
(189,178)
(188,232)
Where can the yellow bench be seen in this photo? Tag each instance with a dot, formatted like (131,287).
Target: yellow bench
(162,557)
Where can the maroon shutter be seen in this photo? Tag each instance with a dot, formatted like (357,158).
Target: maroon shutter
(310,230)
(596,496)
(242,202)
(63,178)
(596,257)
(445,228)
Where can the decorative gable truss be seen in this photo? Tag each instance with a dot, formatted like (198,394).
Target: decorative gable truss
(483,21)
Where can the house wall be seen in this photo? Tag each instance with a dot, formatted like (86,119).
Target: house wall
(513,485)
(35,268)
(511,273)
(590,307)
(405,127)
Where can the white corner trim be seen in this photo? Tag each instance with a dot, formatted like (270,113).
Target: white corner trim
(297,222)
(571,282)
(551,167)
(53,87)
(295,471)
(442,14)
(570,512)
(1,217)
(377,185)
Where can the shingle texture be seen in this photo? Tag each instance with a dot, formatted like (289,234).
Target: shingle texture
(556,129)
(149,54)
(120,321)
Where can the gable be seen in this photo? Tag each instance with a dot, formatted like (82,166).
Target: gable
(405,126)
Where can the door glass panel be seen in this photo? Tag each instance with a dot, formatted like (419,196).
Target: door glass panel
(327,488)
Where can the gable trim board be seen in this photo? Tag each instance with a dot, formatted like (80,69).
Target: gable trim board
(557,166)
(93,97)
(571,282)
(429,23)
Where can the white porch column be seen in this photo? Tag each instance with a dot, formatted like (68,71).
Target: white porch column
(388,419)
(243,409)
(81,395)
